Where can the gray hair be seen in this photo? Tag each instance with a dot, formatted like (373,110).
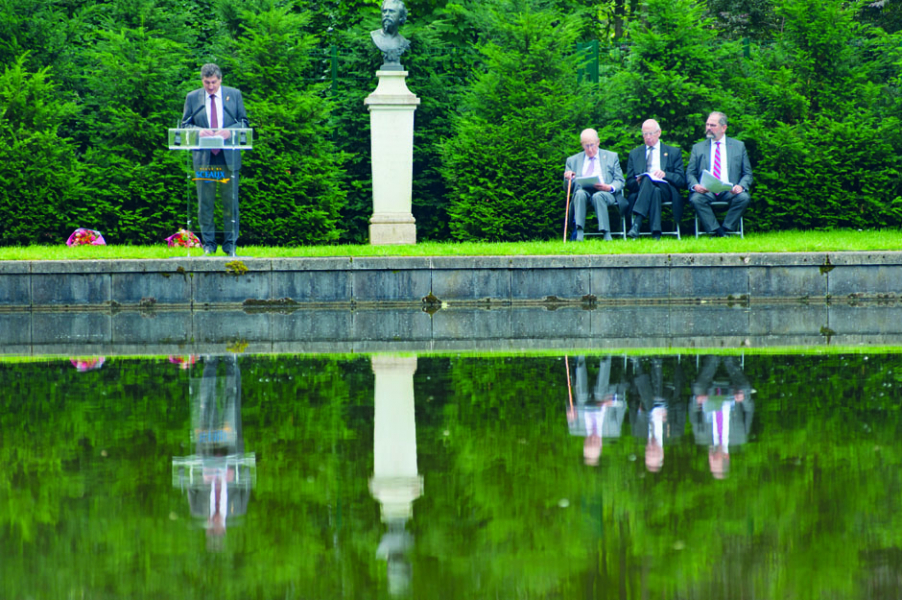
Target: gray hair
(721,118)
(210,70)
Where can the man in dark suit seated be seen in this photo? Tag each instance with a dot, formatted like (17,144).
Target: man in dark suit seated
(654,174)
(728,161)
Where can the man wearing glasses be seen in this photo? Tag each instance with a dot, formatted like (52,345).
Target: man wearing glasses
(726,159)
(596,176)
(654,174)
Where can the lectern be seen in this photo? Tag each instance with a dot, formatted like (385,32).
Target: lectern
(195,138)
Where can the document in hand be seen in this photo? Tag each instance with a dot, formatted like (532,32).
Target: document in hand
(714,184)
(652,177)
(588,181)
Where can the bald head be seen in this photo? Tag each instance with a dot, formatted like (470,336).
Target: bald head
(651,132)
(589,140)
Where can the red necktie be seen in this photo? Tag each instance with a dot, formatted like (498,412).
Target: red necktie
(214,118)
(717,160)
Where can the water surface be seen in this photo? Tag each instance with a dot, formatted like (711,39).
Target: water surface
(594,476)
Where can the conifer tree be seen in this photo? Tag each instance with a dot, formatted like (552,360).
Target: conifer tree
(518,122)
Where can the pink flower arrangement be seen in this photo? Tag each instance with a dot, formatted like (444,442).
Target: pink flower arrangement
(82,237)
(87,363)
(184,239)
(184,362)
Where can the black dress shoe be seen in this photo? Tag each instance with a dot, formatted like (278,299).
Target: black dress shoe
(633,233)
(719,232)
(656,235)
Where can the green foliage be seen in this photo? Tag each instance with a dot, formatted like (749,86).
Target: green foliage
(291,181)
(503,163)
(39,175)
(670,73)
(826,174)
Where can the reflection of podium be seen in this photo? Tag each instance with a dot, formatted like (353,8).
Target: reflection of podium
(195,138)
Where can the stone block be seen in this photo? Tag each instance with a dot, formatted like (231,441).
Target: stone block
(539,284)
(223,287)
(867,280)
(15,289)
(313,286)
(789,281)
(402,285)
(151,288)
(624,283)
(71,289)
(472,284)
(709,282)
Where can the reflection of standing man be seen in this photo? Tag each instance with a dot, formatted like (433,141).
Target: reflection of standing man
(387,39)
(721,411)
(216,109)
(599,416)
(656,413)
(217,479)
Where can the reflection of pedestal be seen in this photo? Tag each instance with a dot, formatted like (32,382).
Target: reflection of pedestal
(395,483)
(391,108)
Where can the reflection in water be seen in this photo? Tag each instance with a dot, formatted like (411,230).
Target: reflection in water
(657,415)
(599,414)
(721,410)
(395,482)
(217,480)
(809,512)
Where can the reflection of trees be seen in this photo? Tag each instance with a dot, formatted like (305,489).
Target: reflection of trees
(816,490)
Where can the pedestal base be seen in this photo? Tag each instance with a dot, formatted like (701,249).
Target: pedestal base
(392,228)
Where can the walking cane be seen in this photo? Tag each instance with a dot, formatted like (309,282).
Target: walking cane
(569,388)
(567,212)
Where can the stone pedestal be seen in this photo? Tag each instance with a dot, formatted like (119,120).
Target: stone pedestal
(391,108)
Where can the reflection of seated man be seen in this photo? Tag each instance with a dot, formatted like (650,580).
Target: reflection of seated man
(656,414)
(387,39)
(216,417)
(721,411)
(600,416)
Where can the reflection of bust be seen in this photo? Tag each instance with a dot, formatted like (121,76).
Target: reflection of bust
(387,39)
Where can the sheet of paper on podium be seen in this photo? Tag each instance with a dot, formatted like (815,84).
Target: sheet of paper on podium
(714,184)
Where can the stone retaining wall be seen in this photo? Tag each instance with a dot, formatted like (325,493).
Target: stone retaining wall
(448,280)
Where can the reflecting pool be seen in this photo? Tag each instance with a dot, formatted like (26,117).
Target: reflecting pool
(453,476)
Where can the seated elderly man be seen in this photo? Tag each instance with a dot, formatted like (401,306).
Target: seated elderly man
(604,191)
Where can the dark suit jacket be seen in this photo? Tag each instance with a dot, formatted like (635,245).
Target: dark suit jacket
(738,166)
(671,164)
(233,115)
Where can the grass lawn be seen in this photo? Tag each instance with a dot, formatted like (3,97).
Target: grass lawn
(783,241)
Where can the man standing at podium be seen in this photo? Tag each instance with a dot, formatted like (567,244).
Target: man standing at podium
(216,109)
